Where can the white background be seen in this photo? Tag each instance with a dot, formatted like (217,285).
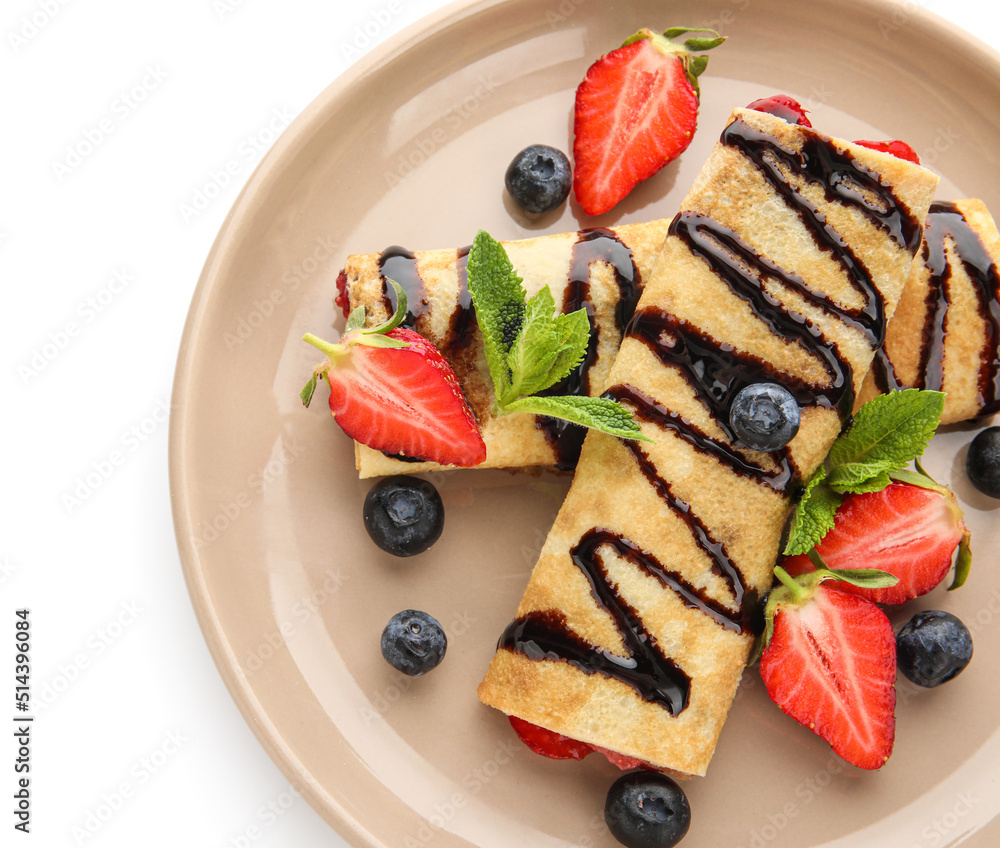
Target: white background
(119,121)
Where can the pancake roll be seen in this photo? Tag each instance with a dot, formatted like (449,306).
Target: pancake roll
(785,263)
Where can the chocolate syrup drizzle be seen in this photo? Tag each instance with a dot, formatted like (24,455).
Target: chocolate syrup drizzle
(399,264)
(594,245)
(716,372)
(946,224)
(646,409)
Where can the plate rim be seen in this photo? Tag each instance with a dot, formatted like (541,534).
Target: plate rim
(392,50)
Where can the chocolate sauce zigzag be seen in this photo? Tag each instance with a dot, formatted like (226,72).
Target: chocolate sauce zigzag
(721,311)
(600,270)
(592,245)
(946,332)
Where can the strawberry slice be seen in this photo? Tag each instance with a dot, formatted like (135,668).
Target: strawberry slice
(548,743)
(909,531)
(831,665)
(782,106)
(392,390)
(899,149)
(636,110)
(555,746)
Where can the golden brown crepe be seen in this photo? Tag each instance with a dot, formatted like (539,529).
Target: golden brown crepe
(946,330)
(600,269)
(787,258)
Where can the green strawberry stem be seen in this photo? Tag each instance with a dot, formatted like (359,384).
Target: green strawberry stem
(694,65)
(333,351)
(799,593)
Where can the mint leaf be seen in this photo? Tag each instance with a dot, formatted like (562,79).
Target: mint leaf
(813,517)
(547,348)
(602,414)
(886,434)
(529,348)
(498,296)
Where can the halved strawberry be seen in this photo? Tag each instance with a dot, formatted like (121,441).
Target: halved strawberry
(782,106)
(636,110)
(392,390)
(831,665)
(899,149)
(909,531)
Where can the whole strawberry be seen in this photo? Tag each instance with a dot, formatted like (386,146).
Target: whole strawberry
(910,531)
(830,663)
(636,110)
(392,390)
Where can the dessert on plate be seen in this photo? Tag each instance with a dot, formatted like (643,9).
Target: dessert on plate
(784,265)
(602,270)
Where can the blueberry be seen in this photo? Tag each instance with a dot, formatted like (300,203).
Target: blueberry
(539,178)
(647,809)
(413,642)
(764,416)
(403,515)
(982,462)
(933,647)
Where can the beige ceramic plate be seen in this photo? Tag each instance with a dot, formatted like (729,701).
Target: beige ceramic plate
(410,148)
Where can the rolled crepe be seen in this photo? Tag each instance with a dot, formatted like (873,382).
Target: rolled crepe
(601,270)
(946,330)
(784,265)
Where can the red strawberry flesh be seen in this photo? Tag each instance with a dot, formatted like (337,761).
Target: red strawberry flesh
(405,401)
(782,106)
(831,665)
(343,299)
(548,743)
(899,149)
(909,531)
(636,110)
(555,746)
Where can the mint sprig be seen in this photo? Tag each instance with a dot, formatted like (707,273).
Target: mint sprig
(887,433)
(529,348)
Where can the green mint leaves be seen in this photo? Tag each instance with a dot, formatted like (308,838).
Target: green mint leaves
(887,433)
(529,348)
